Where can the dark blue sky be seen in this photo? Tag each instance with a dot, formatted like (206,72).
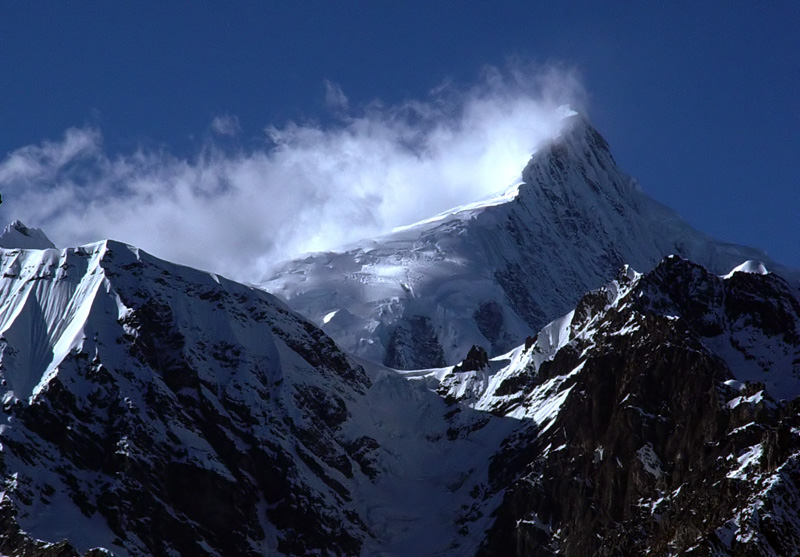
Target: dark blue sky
(700,101)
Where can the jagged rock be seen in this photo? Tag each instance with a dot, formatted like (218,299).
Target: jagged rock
(162,417)
(476,359)
(656,447)
(660,415)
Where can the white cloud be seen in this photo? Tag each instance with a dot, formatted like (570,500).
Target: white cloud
(314,188)
(225,125)
(335,98)
(41,162)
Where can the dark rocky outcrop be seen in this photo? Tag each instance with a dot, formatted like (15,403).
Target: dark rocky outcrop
(656,450)
(413,344)
(476,360)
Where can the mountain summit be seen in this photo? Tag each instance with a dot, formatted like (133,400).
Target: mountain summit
(493,272)
(17,235)
(152,409)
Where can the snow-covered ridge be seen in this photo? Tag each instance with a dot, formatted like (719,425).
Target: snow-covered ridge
(129,377)
(569,118)
(113,360)
(46,306)
(486,389)
(463,212)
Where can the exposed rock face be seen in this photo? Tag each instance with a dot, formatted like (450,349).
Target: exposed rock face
(477,359)
(656,447)
(153,409)
(413,345)
(148,408)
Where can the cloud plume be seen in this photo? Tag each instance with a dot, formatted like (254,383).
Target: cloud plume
(310,187)
(225,124)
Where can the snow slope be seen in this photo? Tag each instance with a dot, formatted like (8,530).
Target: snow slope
(152,408)
(149,408)
(748,318)
(659,416)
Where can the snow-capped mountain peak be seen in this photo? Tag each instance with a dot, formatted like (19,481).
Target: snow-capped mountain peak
(493,272)
(130,383)
(17,235)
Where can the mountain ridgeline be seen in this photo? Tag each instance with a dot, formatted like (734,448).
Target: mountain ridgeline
(564,368)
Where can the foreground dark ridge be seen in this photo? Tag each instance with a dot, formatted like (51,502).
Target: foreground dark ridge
(679,431)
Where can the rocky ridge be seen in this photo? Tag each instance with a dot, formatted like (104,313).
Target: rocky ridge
(149,408)
(660,414)
(657,422)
